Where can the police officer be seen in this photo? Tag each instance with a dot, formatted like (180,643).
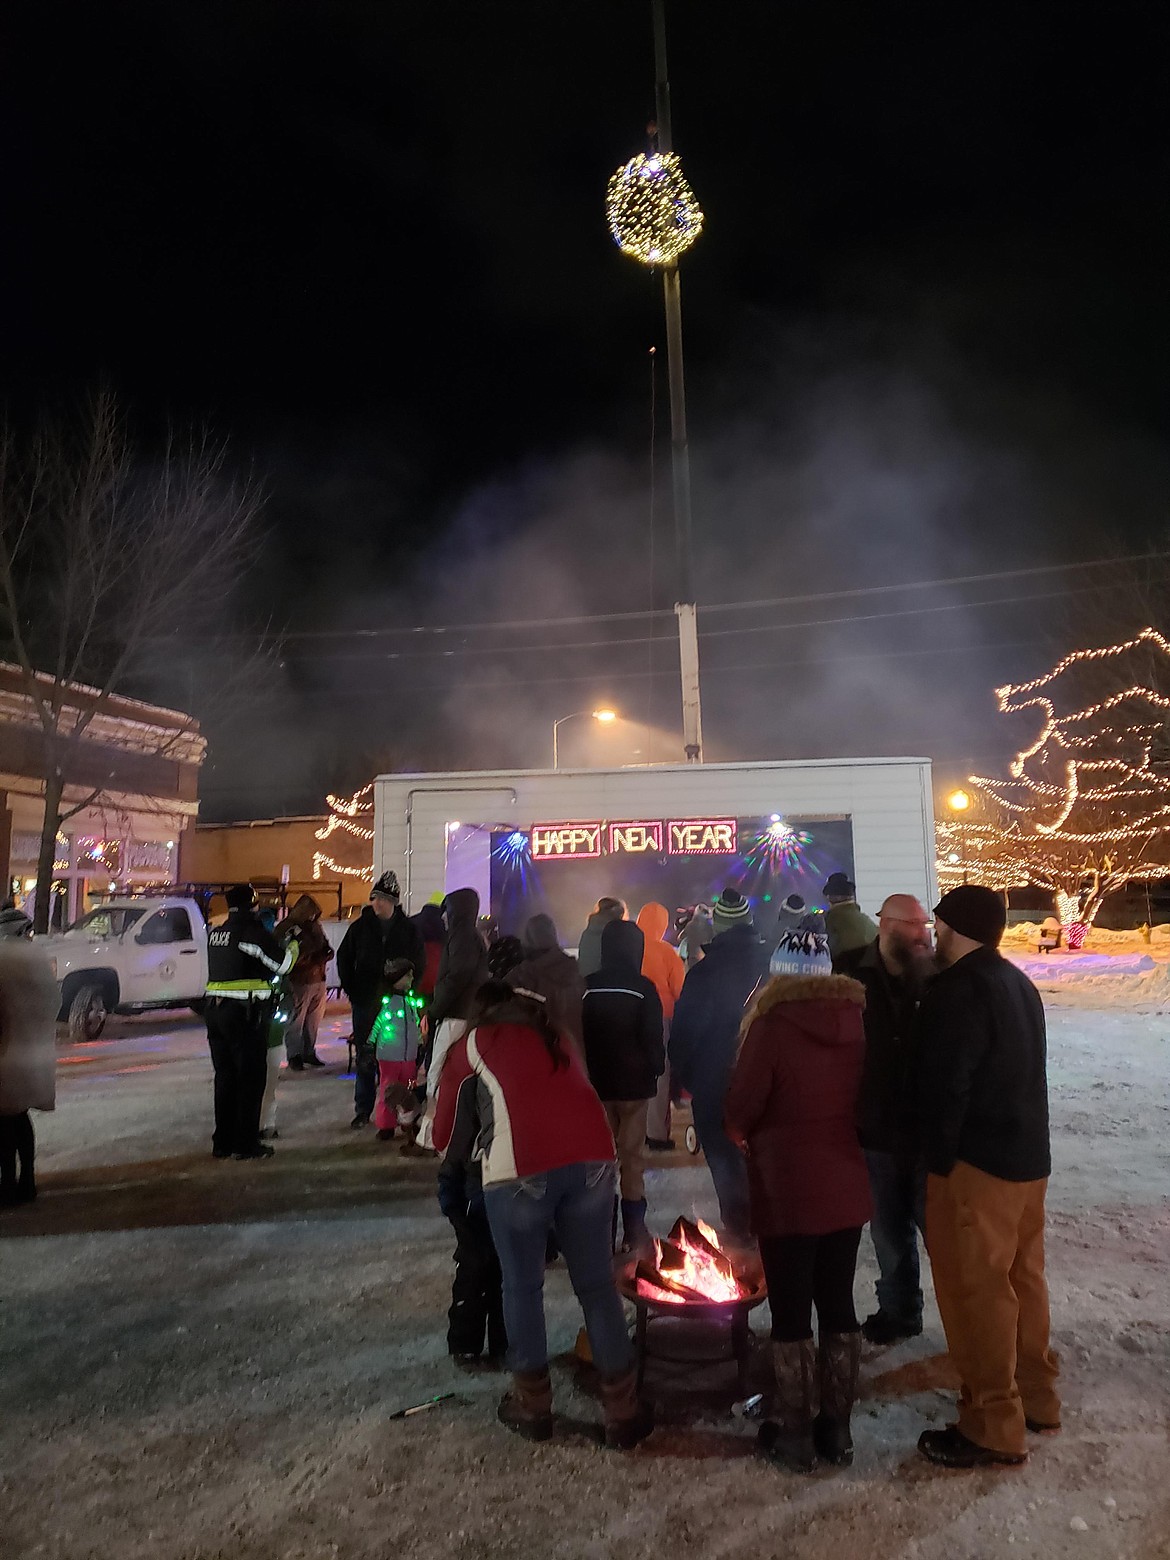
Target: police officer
(243,959)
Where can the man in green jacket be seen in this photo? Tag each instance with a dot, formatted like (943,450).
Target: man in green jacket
(848,927)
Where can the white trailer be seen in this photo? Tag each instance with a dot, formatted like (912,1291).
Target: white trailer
(445,831)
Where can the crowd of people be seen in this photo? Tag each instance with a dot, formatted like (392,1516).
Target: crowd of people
(840,1072)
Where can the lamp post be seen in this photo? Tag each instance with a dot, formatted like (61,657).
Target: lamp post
(604,717)
(655,218)
(959,802)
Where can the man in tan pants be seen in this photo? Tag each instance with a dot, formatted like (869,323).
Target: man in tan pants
(982,1104)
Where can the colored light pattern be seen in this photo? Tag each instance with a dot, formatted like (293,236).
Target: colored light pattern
(651,209)
(780,847)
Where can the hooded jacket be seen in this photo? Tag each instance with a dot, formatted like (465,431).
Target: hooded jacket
(622,1019)
(29,1000)
(699,931)
(705,1031)
(429,921)
(314,950)
(463,963)
(589,948)
(660,962)
(549,971)
(792,1103)
(366,949)
(847,927)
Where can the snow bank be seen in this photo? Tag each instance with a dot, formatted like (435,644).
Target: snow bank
(1098,980)
(1064,967)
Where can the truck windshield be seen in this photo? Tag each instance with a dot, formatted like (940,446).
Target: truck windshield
(107,921)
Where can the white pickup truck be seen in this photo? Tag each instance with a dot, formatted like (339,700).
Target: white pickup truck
(131,955)
(127,956)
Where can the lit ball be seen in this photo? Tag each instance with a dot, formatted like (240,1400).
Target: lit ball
(652,212)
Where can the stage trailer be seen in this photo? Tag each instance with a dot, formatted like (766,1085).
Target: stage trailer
(555,839)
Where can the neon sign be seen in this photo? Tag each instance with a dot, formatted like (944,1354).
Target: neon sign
(566,841)
(703,837)
(645,837)
(635,839)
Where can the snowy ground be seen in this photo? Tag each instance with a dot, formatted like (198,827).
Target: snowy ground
(199,1360)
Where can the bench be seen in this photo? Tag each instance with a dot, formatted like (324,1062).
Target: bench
(1049,939)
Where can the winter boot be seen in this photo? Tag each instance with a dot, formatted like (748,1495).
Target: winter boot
(526,1407)
(837,1360)
(628,1420)
(635,1236)
(787,1440)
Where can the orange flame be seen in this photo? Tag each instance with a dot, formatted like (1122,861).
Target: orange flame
(700,1273)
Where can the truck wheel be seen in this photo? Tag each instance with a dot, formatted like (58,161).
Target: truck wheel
(87,1013)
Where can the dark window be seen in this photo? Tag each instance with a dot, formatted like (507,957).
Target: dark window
(166,926)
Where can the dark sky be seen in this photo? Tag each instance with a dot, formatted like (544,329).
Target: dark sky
(926,333)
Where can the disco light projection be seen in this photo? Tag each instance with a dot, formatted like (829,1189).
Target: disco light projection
(513,850)
(651,209)
(780,848)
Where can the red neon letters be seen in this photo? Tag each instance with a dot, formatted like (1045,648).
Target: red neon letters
(566,841)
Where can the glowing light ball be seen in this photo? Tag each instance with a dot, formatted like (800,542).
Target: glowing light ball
(652,211)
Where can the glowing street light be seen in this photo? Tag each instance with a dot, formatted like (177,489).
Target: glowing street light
(604,717)
(959,802)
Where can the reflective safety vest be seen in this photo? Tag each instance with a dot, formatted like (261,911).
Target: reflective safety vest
(244,959)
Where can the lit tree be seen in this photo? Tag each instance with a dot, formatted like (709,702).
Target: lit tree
(1083,808)
(350,825)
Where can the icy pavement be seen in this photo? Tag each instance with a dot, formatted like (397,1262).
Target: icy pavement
(199,1360)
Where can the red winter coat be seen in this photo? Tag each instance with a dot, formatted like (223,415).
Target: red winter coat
(792,1104)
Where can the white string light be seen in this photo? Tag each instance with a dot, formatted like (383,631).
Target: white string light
(1097,813)
(344,815)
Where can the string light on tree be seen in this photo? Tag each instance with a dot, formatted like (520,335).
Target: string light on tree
(652,211)
(353,817)
(1083,809)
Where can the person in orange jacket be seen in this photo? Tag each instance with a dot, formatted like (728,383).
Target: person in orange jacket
(663,965)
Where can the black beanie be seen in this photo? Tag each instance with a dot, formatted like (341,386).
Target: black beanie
(975,912)
(241,897)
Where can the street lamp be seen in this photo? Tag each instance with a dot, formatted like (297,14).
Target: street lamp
(606,718)
(959,802)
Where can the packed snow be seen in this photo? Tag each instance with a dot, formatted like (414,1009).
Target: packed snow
(200,1360)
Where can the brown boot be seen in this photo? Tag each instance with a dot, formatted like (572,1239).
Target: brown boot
(838,1358)
(787,1438)
(526,1407)
(628,1420)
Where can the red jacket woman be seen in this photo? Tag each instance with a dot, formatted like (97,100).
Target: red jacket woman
(792,1105)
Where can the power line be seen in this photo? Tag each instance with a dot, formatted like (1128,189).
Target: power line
(853,593)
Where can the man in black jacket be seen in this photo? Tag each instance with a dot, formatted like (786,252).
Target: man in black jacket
(622,1026)
(893,969)
(381,934)
(982,1102)
(243,959)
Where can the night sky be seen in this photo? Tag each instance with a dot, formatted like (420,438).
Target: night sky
(926,333)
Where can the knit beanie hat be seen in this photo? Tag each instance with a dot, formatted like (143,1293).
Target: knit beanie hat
(975,912)
(730,909)
(240,897)
(396,969)
(802,953)
(386,887)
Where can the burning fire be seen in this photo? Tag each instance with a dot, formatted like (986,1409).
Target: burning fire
(689,1266)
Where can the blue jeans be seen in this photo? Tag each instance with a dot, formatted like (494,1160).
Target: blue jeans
(577,1201)
(898,1184)
(726,1163)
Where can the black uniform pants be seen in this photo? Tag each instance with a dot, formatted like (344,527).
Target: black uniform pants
(237,1033)
(16,1141)
(807,1270)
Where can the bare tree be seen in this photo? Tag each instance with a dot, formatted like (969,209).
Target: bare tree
(103,554)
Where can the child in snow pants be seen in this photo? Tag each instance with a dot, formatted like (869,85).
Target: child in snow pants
(395,1037)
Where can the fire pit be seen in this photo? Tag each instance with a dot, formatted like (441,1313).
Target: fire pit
(689,1277)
